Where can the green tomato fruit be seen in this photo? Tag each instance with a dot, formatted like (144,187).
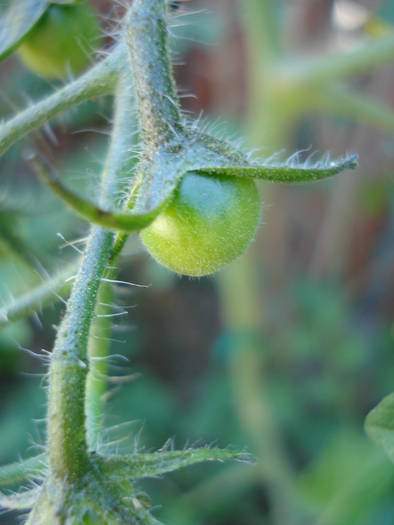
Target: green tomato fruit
(209,223)
(62,41)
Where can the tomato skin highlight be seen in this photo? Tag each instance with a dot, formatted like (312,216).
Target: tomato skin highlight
(62,41)
(209,223)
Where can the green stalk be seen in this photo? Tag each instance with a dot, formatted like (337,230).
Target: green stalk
(67,441)
(38,297)
(99,80)
(22,470)
(96,382)
(69,367)
(120,164)
(159,117)
(158,105)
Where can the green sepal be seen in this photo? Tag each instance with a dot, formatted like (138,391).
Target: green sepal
(22,470)
(379,425)
(287,172)
(213,156)
(113,220)
(155,464)
(18,21)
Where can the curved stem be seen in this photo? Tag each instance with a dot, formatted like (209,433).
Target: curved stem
(68,371)
(119,162)
(158,105)
(99,80)
(68,448)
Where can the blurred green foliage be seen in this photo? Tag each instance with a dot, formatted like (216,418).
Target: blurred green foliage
(317,331)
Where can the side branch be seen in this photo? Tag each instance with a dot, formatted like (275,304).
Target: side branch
(39,296)
(22,470)
(100,80)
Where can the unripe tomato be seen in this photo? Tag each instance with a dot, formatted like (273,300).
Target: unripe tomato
(209,223)
(62,41)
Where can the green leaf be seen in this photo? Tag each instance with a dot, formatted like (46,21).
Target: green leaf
(290,171)
(22,470)
(379,425)
(17,22)
(162,462)
(19,500)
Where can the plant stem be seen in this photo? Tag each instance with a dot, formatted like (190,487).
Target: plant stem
(119,161)
(68,371)
(96,382)
(37,297)
(99,80)
(158,105)
(22,470)
(68,448)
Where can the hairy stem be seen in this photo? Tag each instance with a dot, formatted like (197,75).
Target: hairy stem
(68,448)
(99,80)
(41,295)
(158,105)
(120,162)
(22,470)
(96,383)
(69,366)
